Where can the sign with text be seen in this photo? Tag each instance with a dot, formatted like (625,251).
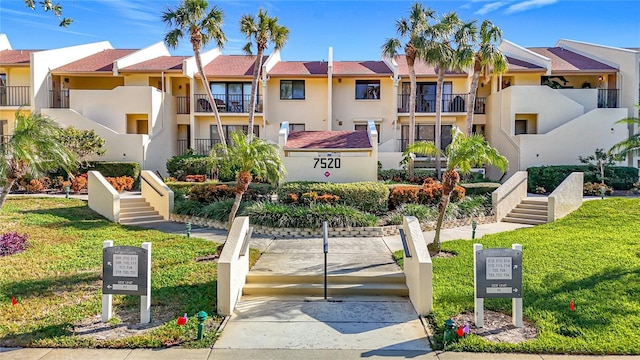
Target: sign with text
(498,273)
(124,270)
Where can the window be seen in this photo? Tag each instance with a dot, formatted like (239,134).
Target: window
(521,127)
(367,89)
(296,127)
(228,129)
(291,89)
(427,133)
(365,128)
(233,97)
(425,96)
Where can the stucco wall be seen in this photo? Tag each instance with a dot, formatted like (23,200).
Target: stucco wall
(156,193)
(103,199)
(509,194)
(567,197)
(418,268)
(354,167)
(233,267)
(17,76)
(552,108)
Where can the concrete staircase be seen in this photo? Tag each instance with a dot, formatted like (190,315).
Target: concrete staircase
(532,211)
(136,210)
(387,283)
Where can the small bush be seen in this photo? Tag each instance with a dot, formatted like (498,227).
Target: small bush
(428,194)
(79,183)
(211,193)
(279,215)
(121,183)
(549,177)
(593,189)
(12,242)
(189,164)
(480,188)
(188,207)
(118,169)
(220,210)
(34,186)
(635,189)
(195,178)
(364,196)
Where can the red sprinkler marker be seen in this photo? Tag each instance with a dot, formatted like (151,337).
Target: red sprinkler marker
(14,301)
(572,306)
(182,320)
(460,331)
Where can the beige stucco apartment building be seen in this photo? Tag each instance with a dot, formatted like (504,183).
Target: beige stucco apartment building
(551,106)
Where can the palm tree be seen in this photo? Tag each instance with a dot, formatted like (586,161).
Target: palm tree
(246,157)
(191,19)
(464,153)
(629,147)
(442,53)
(412,28)
(488,58)
(262,30)
(33,149)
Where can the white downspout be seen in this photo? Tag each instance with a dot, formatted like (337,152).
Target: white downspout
(330,90)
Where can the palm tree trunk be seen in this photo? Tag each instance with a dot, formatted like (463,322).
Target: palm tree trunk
(412,107)
(234,210)
(212,101)
(257,67)
(434,247)
(438,132)
(242,184)
(5,191)
(471,104)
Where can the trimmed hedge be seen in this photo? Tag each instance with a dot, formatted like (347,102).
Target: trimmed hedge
(280,215)
(216,191)
(190,164)
(365,196)
(481,188)
(399,175)
(428,194)
(549,177)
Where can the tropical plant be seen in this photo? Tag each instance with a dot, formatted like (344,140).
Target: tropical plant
(191,19)
(245,157)
(464,153)
(84,143)
(448,48)
(48,5)
(600,160)
(262,29)
(413,29)
(488,59)
(34,149)
(628,147)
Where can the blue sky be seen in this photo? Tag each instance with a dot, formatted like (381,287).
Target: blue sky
(355,29)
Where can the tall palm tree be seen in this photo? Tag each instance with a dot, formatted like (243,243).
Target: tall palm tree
(413,29)
(191,19)
(445,55)
(33,149)
(488,58)
(246,157)
(262,29)
(464,153)
(629,147)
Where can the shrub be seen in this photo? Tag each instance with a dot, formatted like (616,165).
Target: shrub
(189,164)
(118,169)
(428,194)
(279,215)
(34,186)
(327,199)
(635,189)
(593,189)
(195,178)
(188,207)
(480,188)
(364,196)
(549,177)
(210,193)
(121,183)
(46,182)
(12,242)
(402,176)
(220,210)
(79,183)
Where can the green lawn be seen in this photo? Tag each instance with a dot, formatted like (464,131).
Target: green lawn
(592,257)
(57,281)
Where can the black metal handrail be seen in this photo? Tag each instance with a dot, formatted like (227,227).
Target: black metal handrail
(204,146)
(151,185)
(59,99)
(182,105)
(183,145)
(226,103)
(14,95)
(608,98)
(405,247)
(450,103)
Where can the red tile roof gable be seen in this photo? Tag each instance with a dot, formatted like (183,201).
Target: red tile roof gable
(299,68)
(421,68)
(231,65)
(161,63)
(344,139)
(361,68)
(567,60)
(16,57)
(102,61)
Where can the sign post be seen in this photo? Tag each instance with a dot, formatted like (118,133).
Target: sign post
(126,270)
(497,274)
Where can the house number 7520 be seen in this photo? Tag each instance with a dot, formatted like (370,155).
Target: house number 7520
(327,163)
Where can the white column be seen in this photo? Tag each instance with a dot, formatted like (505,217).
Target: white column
(107,307)
(478,309)
(516,303)
(145,300)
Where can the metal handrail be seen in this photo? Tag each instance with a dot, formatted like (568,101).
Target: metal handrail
(407,252)
(245,242)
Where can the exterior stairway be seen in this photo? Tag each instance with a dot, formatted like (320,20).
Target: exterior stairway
(135,210)
(390,283)
(532,211)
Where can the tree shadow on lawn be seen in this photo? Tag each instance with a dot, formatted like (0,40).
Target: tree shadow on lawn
(79,217)
(46,286)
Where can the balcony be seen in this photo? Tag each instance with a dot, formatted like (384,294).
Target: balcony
(226,103)
(14,95)
(4,139)
(450,103)
(182,104)
(204,146)
(59,99)
(608,98)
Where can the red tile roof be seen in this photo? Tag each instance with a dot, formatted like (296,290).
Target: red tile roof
(102,61)
(162,63)
(520,65)
(299,68)
(361,68)
(15,57)
(345,139)
(231,65)
(421,68)
(563,60)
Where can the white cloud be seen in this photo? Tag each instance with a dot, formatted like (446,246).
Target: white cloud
(487,8)
(528,5)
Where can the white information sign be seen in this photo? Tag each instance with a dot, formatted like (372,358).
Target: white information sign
(498,268)
(125,265)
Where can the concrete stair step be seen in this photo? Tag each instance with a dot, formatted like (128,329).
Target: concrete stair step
(536,201)
(527,221)
(528,212)
(356,278)
(378,289)
(528,216)
(141,220)
(141,207)
(136,214)
(132,203)
(541,207)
